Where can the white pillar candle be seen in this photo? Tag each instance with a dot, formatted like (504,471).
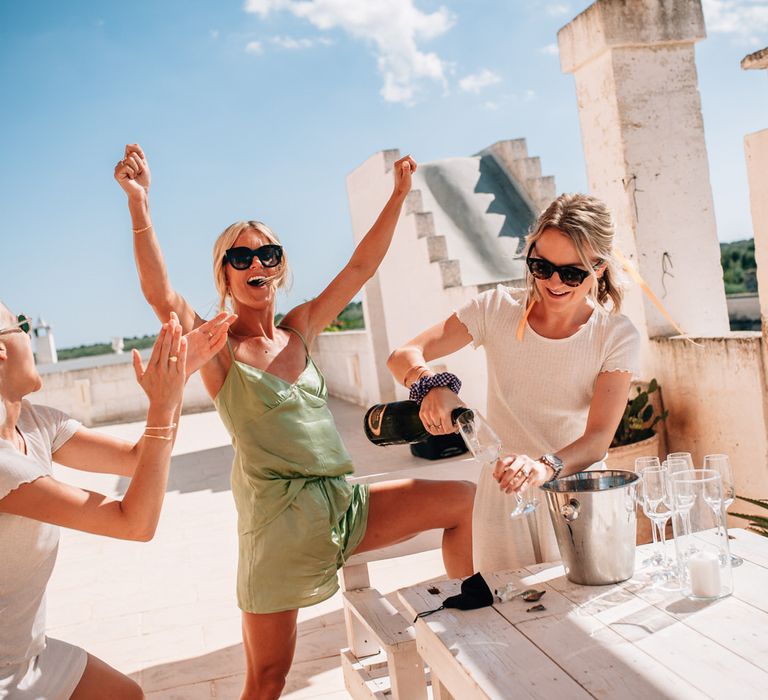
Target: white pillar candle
(704,570)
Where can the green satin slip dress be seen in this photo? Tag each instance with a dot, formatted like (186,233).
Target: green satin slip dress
(298,517)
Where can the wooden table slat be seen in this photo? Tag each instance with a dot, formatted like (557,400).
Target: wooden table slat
(627,640)
(511,666)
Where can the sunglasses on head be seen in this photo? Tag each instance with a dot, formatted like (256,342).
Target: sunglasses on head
(570,275)
(23,324)
(241,257)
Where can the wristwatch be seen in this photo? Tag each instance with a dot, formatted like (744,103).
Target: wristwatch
(554,462)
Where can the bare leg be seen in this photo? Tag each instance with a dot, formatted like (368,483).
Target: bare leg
(100,681)
(270,641)
(401,509)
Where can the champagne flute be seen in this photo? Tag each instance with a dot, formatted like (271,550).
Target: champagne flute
(656,506)
(674,465)
(485,446)
(685,456)
(722,465)
(640,464)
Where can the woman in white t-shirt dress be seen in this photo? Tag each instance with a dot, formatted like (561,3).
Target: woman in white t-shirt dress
(560,361)
(34,503)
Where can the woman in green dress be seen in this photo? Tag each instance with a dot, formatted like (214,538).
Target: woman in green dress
(298,517)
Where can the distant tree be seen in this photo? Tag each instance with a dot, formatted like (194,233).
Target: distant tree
(739,266)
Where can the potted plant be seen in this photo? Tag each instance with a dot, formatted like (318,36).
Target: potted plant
(757,523)
(636,434)
(635,437)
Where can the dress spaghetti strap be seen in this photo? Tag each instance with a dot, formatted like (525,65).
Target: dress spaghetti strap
(231,351)
(301,337)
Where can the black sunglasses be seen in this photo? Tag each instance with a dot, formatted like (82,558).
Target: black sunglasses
(241,257)
(571,276)
(23,323)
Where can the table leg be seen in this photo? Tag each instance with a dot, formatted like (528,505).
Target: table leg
(533,528)
(439,691)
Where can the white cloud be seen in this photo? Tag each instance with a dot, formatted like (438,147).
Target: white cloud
(550,50)
(297,44)
(746,19)
(254,47)
(479,81)
(395,28)
(557,10)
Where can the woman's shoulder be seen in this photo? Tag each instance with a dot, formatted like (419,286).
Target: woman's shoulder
(618,327)
(43,416)
(503,296)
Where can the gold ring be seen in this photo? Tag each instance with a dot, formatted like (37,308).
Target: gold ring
(173,358)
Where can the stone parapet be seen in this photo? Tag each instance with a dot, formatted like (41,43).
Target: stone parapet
(610,24)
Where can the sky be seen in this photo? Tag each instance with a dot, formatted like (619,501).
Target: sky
(261,108)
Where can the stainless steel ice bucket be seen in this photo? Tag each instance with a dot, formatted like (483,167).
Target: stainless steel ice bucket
(593,514)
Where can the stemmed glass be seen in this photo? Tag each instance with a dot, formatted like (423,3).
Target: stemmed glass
(685,456)
(485,446)
(640,464)
(722,465)
(657,506)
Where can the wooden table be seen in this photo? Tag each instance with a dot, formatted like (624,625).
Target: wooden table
(629,640)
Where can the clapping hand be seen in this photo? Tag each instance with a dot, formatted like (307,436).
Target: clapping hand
(206,340)
(164,376)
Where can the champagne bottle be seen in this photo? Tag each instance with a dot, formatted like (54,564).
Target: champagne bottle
(398,423)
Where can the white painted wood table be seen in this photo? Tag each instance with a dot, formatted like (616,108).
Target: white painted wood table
(629,640)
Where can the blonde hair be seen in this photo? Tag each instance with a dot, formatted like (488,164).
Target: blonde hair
(226,240)
(588,223)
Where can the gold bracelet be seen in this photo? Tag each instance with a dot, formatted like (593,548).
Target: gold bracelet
(422,368)
(141,230)
(160,427)
(159,437)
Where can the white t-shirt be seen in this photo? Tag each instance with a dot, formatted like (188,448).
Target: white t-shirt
(27,547)
(539,392)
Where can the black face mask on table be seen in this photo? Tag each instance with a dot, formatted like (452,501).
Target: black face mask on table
(474,594)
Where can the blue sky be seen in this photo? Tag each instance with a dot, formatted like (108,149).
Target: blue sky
(260,109)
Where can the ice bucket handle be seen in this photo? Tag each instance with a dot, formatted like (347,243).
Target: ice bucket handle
(570,510)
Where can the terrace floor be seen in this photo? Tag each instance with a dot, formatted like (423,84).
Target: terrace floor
(165,611)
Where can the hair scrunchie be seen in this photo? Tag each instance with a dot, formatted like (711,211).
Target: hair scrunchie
(421,387)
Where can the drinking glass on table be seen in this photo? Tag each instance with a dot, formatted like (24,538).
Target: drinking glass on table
(722,465)
(485,446)
(640,464)
(656,506)
(673,465)
(685,456)
(703,555)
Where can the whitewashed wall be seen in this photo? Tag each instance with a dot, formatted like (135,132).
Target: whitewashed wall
(716,395)
(103,389)
(346,361)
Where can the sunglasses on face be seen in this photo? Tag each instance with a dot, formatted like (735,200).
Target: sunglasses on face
(241,257)
(23,324)
(569,275)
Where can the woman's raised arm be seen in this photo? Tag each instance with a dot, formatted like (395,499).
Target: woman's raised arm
(133,175)
(313,316)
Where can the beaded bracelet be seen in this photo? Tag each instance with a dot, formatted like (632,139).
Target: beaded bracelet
(421,387)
